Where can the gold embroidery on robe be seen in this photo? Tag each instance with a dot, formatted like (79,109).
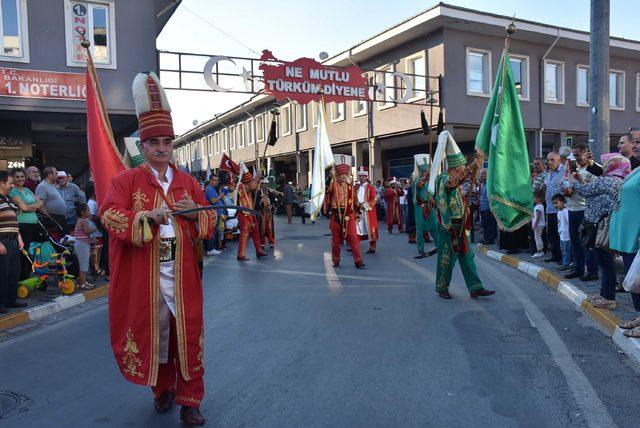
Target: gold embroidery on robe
(115,220)
(139,199)
(130,358)
(200,355)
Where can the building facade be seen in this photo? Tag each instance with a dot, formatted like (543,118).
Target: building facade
(42,67)
(457,50)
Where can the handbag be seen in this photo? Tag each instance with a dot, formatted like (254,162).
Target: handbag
(587,232)
(602,233)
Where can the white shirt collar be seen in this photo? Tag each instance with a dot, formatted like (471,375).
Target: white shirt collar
(168,174)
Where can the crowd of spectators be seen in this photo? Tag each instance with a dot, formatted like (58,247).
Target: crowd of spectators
(585,215)
(45,206)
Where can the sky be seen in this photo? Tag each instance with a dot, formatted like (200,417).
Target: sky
(304,28)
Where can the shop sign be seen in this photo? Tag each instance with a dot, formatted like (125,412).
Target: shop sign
(22,83)
(305,80)
(80,24)
(10,143)
(15,163)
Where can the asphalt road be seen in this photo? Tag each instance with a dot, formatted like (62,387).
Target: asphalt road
(291,342)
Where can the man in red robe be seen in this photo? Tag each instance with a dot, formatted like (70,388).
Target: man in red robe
(247,222)
(341,202)
(367,196)
(394,210)
(155,293)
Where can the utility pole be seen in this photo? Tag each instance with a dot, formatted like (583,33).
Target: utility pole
(599,79)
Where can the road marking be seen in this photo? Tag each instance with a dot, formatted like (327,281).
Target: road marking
(333,282)
(530,320)
(417,268)
(594,411)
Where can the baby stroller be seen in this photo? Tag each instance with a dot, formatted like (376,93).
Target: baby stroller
(54,233)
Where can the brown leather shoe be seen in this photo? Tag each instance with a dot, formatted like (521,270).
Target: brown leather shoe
(481,292)
(191,416)
(164,402)
(445,295)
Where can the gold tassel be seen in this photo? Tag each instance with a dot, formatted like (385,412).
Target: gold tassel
(146,231)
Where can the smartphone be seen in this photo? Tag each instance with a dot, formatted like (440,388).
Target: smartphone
(574,165)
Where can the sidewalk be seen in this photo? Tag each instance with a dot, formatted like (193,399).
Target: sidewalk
(43,303)
(576,292)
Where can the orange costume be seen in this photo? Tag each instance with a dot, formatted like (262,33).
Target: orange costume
(341,200)
(264,206)
(247,222)
(155,293)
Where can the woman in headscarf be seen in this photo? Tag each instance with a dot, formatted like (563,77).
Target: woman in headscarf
(624,236)
(600,196)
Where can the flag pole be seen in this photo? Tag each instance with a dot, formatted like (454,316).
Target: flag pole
(511,29)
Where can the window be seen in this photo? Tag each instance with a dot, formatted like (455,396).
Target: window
(337,112)
(224,142)
(260,127)
(216,143)
(97,19)
(301,117)
(240,136)
(616,89)
(14,33)
(478,72)
(582,85)
(285,114)
(192,149)
(388,95)
(520,71)
(637,91)
(232,138)
(416,66)
(359,107)
(210,144)
(250,131)
(202,148)
(553,82)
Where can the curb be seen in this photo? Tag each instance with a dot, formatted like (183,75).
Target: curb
(58,304)
(606,321)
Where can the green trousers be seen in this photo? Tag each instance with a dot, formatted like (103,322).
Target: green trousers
(447,260)
(426,225)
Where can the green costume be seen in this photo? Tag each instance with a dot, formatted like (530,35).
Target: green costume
(422,203)
(452,220)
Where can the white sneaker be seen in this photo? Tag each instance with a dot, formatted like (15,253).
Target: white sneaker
(538,255)
(213,253)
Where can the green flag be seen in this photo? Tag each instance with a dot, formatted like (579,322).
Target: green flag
(502,141)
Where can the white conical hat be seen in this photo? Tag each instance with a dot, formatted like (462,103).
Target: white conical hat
(152,107)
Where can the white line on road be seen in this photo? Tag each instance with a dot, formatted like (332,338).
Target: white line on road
(417,268)
(333,282)
(594,411)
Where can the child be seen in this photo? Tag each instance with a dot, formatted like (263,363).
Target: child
(538,224)
(559,202)
(82,245)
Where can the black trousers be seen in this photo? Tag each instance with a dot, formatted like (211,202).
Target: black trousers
(9,272)
(489,225)
(28,232)
(553,237)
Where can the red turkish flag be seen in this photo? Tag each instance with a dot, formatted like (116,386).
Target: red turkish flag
(226,164)
(105,160)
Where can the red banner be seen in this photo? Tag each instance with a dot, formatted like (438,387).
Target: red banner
(15,82)
(305,80)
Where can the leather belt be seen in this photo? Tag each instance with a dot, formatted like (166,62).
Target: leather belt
(167,249)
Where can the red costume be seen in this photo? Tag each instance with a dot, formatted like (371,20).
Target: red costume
(247,222)
(155,292)
(394,210)
(135,293)
(367,196)
(341,200)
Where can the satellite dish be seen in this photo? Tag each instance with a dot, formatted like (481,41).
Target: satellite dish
(323,55)
(195,122)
